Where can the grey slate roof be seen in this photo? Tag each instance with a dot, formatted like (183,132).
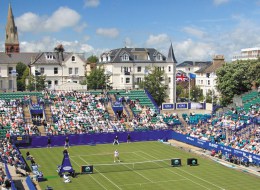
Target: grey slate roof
(35,58)
(115,55)
(194,64)
(13,58)
(171,56)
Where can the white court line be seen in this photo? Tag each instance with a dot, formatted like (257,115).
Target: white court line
(192,174)
(91,176)
(105,154)
(175,172)
(103,175)
(166,181)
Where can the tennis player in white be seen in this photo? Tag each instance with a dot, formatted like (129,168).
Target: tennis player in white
(116,156)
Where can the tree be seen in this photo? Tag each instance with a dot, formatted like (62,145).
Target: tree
(92,59)
(209,97)
(36,83)
(233,79)
(196,94)
(21,69)
(254,71)
(96,79)
(153,82)
(179,91)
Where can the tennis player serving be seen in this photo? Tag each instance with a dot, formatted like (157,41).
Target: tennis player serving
(116,156)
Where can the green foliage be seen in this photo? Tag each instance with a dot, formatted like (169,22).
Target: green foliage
(153,83)
(235,79)
(22,71)
(179,91)
(96,79)
(209,97)
(92,59)
(196,94)
(36,83)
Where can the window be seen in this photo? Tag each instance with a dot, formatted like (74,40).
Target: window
(127,70)
(139,69)
(55,70)
(169,80)
(201,81)
(56,82)
(127,80)
(73,58)
(125,57)
(42,70)
(208,82)
(207,75)
(76,70)
(10,70)
(75,81)
(169,68)
(138,80)
(159,57)
(70,71)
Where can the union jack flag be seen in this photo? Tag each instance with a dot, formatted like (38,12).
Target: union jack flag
(181,77)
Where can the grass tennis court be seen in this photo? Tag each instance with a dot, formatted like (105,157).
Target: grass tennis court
(208,175)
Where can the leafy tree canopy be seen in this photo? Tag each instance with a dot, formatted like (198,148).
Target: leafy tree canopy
(96,79)
(153,82)
(236,78)
(92,59)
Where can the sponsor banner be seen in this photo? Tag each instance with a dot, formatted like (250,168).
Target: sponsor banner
(167,106)
(182,106)
(208,145)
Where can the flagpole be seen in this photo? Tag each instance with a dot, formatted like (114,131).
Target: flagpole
(189,86)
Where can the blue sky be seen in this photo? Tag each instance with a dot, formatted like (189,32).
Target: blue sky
(198,29)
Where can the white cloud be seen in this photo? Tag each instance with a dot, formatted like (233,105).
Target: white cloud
(108,32)
(191,50)
(91,3)
(128,42)
(86,38)
(62,18)
(157,40)
(81,27)
(194,32)
(219,2)
(48,44)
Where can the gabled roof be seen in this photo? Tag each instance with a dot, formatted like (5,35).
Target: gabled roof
(57,58)
(13,58)
(35,58)
(218,61)
(115,55)
(194,64)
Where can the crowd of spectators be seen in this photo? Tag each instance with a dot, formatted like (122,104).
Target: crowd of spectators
(237,130)
(77,113)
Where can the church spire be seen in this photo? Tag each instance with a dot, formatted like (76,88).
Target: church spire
(171,56)
(11,38)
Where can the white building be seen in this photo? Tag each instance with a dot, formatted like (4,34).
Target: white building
(248,54)
(206,76)
(129,66)
(59,67)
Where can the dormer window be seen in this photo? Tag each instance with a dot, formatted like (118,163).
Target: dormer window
(159,57)
(50,57)
(73,58)
(125,57)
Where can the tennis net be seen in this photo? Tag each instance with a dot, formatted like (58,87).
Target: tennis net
(123,166)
